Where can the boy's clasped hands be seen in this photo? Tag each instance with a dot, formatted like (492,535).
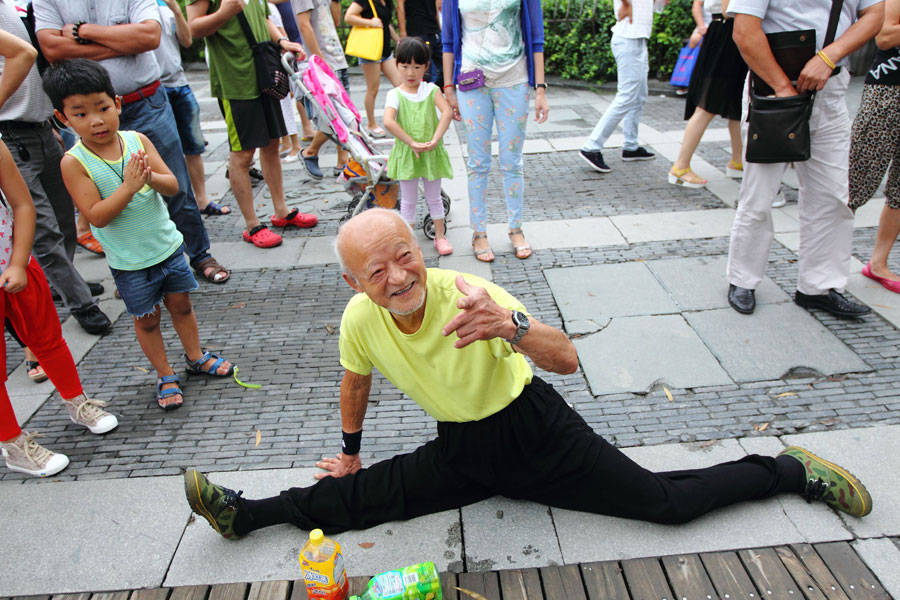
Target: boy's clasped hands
(137,173)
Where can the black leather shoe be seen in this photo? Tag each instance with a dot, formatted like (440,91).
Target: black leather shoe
(741,299)
(832,302)
(92,320)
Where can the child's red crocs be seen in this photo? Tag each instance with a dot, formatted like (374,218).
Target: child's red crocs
(297,219)
(261,237)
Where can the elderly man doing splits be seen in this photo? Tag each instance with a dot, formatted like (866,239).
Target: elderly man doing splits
(456,344)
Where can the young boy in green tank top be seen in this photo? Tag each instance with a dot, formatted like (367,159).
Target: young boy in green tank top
(116,178)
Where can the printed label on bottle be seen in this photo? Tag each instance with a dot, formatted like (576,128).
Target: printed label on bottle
(411,578)
(389,584)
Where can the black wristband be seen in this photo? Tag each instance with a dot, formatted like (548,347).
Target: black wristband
(350,442)
(75,35)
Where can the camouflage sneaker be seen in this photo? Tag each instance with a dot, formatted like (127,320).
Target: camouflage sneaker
(25,455)
(831,483)
(90,413)
(215,503)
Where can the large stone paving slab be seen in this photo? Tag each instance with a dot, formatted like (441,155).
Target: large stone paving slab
(585,537)
(501,533)
(632,354)
(699,283)
(772,341)
(204,557)
(87,536)
(604,291)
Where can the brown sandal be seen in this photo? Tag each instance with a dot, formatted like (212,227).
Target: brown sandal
(482,255)
(202,266)
(522,252)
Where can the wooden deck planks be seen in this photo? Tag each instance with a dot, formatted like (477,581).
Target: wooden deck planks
(728,576)
(448,586)
(769,574)
(520,584)
(189,592)
(604,581)
(229,591)
(152,594)
(688,577)
(269,590)
(817,568)
(646,580)
(562,583)
(801,574)
(850,571)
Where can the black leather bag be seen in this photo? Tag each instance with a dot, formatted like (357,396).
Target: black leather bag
(778,130)
(271,77)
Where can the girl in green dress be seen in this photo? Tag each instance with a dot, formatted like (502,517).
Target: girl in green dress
(410,114)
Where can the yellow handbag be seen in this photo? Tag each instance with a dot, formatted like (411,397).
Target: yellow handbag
(366,42)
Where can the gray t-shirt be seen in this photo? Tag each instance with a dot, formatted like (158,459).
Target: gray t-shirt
(790,15)
(29,102)
(128,73)
(323,26)
(168,55)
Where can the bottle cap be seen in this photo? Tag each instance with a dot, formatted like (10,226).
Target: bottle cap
(316,536)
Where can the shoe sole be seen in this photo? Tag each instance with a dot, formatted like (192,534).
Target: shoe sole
(734,173)
(593,166)
(853,480)
(676,180)
(98,430)
(891,286)
(311,174)
(263,247)
(634,158)
(830,311)
(743,311)
(192,491)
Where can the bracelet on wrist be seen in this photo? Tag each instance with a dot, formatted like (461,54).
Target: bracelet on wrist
(350,442)
(449,85)
(75,35)
(821,54)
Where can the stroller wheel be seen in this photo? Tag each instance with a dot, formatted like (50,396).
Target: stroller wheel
(428,227)
(445,199)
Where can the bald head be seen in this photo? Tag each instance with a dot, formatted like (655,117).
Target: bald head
(369,227)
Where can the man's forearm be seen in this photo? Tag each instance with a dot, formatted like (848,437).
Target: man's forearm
(203,25)
(127,39)
(182,30)
(865,28)
(548,348)
(354,400)
(754,47)
(19,56)
(401,17)
(56,48)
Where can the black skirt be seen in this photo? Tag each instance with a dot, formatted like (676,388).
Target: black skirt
(717,81)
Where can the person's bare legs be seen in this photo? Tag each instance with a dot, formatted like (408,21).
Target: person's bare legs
(318,141)
(389,68)
(270,163)
(239,175)
(305,124)
(737,146)
(150,338)
(888,229)
(693,132)
(185,323)
(372,73)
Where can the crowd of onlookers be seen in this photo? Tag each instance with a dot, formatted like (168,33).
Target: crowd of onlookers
(96,113)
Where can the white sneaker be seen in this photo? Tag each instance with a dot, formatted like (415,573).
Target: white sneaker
(779,200)
(27,456)
(90,413)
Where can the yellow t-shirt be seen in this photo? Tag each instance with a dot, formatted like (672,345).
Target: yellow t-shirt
(450,384)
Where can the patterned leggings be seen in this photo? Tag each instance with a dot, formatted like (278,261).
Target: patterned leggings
(875,144)
(479,109)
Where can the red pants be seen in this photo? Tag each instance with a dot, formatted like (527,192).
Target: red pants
(35,320)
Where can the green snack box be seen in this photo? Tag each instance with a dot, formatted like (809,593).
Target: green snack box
(418,582)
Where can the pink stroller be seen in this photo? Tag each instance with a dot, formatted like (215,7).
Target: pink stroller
(365,175)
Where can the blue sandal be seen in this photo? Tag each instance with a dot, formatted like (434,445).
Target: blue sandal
(162,394)
(195,367)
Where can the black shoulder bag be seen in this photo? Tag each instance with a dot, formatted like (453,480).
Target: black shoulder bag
(778,129)
(271,77)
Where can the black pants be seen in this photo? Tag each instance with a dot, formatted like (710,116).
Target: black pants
(433,41)
(539,449)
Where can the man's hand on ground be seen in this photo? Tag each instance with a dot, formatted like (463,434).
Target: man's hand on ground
(480,318)
(339,466)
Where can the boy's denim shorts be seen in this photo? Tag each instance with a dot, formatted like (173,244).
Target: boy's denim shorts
(143,290)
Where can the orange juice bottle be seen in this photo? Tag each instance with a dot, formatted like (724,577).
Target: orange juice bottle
(323,568)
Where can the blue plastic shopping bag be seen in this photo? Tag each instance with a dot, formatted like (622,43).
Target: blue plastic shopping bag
(687,58)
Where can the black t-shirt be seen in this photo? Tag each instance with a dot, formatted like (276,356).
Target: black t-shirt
(885,69)
(385,12)
(421,17)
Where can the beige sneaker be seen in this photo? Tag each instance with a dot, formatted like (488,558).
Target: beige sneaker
(90,413)
(27,456)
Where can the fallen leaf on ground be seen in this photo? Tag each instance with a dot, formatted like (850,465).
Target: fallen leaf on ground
(762,427)
(239,305)
(786,394)
(258,438)
(668,393)
(708,443)
(141,369)
(475,595)
(329,329)
(366,545)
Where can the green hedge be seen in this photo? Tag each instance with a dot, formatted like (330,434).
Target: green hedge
(579,49)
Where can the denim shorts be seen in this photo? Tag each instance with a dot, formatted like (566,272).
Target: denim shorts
(143,290)
(364,61)
(187,118)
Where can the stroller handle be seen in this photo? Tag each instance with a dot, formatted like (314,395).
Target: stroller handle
(289,62)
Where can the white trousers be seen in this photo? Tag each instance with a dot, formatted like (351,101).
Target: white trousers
(826,224)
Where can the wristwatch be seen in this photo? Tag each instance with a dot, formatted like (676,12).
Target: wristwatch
(540,85)
(522,323)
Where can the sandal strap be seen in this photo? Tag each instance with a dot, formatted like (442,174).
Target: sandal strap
(679,172)
(167,379)
(257,229)
(517,231)
(32,364)
(290,216)
(478,235)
